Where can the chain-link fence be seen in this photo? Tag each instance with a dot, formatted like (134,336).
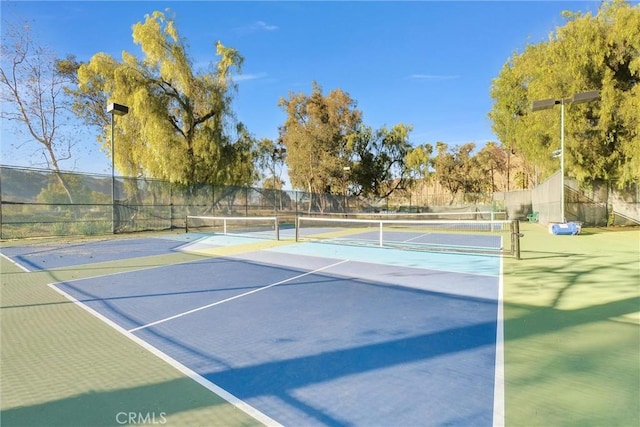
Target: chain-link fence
(598,204)
(37,202)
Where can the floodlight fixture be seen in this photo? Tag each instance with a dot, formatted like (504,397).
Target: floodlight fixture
(117,109)
(579,98)
(544,104)
(278,154)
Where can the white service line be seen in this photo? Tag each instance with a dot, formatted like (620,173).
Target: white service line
(417,237)
(498,389)
(234,297)
(233,400)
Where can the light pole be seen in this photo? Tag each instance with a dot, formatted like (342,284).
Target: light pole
(545,104)
(115,110)
(277,154)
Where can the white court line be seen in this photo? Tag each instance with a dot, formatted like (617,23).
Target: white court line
(234,297)
(233,400)
(417,237)
(498,388)
(17,264)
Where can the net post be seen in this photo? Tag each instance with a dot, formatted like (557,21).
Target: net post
(224,226)
(186,223)
(515,238)
(297,226)
(277,229)
(380,233)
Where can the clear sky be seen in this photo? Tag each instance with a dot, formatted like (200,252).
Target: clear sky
(425,63)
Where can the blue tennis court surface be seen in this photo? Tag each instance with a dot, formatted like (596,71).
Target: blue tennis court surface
(54,255)
(314,334)
(423,239)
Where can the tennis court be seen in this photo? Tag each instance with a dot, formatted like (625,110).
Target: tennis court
(304,333)
(199,329)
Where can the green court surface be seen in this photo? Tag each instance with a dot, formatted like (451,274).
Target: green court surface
(61,366)
(572,336)
(572,344)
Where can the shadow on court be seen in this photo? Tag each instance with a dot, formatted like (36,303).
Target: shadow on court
(183,395)
(149,404)
(283,378)
(572,337)
(570,358)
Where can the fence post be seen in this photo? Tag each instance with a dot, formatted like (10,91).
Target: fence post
(213,199)
(170,205)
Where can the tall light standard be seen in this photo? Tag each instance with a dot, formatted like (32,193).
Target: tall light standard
(277,154)
(545,104)
(115,110)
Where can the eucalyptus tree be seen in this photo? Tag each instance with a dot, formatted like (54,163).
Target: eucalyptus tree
(269,159)
(379,159)
(315,136)
(419,165)
(492,160)
(180,125)
(590,52)
(419,161)
(458,170)
(331,150)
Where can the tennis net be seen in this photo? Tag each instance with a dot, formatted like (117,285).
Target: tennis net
(481,236)
(246,226)
(452,216)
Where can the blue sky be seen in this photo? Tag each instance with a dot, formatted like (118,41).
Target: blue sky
(424,63)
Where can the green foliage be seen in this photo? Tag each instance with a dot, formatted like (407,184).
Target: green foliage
(61,229)
(602,138)
(269,159)
(92,227)
(459,170)
(379,159)
(492,160)
(56,193)
(314,135)
(418,161)
(521,180)
(330,150)
(180,124)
